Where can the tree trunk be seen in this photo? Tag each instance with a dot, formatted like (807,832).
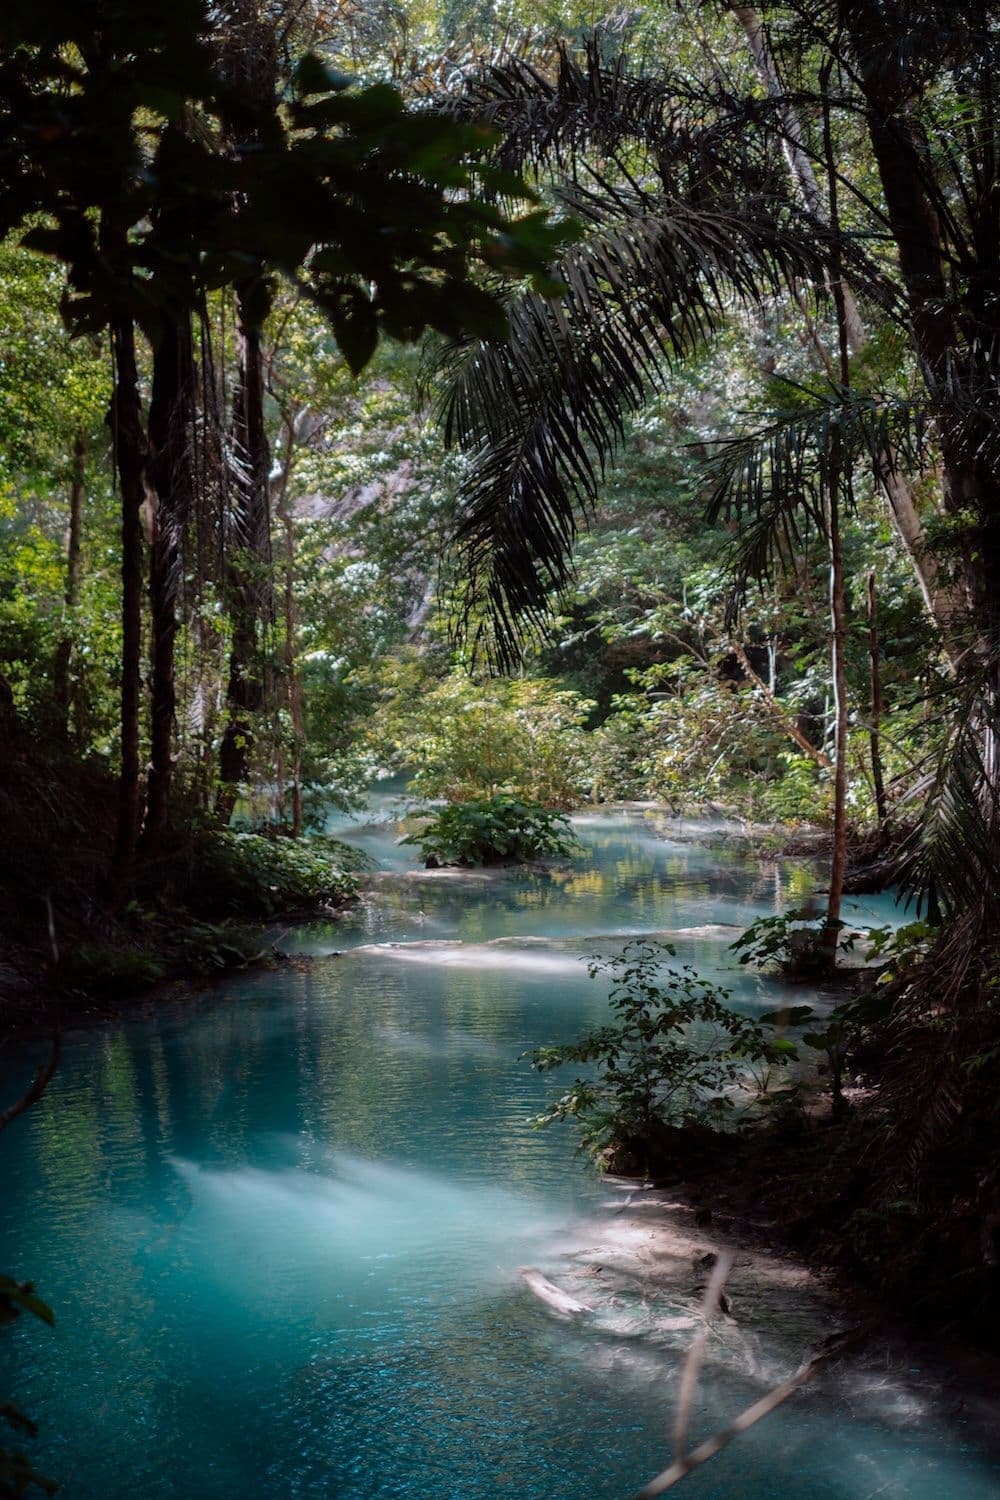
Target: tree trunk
(62,688)
(838,475)
(875,733)
(941,601)
(292,680)
(8,712)
(130,459)
(248,60)
(170,419)
(800,166)
(838,634)
(249,569)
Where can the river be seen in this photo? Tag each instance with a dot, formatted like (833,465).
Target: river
(282,1227)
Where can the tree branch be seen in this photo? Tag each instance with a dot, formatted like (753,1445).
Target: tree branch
(37,1087)
(787,723)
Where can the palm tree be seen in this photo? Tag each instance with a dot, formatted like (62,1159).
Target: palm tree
(689,215)
(688,211)
(686,216)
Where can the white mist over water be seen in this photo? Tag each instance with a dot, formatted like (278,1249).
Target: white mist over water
(357,1215)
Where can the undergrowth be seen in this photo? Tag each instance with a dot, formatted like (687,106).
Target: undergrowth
(66,943)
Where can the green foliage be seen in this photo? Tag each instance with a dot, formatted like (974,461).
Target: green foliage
(895,949)
(842,1035)
(162,948)
(791,941)
(18,1474)
(372,209)
(210,947)
(676,1054)
(253,875)
(471,739)
(113,970)
(52,387)
(489,830)
(192,919)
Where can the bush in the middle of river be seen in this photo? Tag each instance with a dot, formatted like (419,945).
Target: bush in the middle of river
(488,830)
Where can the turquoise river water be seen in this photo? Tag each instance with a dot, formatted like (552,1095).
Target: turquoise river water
(282,1227)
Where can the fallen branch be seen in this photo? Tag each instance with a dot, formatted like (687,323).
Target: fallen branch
(719,1440)
(696,1353)
(685,1461)
(787,722)
(550,1294)
(37,1087)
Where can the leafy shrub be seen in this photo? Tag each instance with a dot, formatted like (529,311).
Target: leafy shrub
(252,875)
(211,947)
(791,942)
(673,1056)
(112,970)
(465,739)
(488,830)
(689,732)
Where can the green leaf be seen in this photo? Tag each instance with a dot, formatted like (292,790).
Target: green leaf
(355,327)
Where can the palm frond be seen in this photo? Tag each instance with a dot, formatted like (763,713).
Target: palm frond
(952,862)
(543,413)
(770,481)
(550,104)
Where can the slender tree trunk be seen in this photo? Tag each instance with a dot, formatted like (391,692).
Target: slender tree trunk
(292,678)
(249,570)
(838,475)
(62,688)
(130,459)
(838,637)
(875,733)
(170,412)
(800,165)
(249,60)
(966,481)
(8,712)
(942,602)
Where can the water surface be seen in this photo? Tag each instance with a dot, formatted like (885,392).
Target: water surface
(282,1229)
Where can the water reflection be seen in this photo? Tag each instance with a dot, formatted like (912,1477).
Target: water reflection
(283,1231)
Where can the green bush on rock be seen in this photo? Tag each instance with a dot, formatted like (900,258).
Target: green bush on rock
(489,830)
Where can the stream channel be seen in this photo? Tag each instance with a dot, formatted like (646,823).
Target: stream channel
(282,1227)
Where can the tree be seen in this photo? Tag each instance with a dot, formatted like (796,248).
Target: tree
(685,217)
(125,144)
